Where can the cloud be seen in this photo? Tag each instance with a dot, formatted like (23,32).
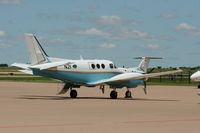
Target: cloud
(2,33)
(168,16)
(107,45)
(110,20)
(93,32)
(11,2)
(113,20)
(132,34)
(188,28)
(185,26)
(124,33)
(150,46)
(116,34)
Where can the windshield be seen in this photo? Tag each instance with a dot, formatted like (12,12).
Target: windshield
(112,66)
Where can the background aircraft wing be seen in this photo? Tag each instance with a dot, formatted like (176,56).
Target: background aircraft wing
(132,76)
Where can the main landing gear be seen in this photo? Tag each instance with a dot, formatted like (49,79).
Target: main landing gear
(113,94)
(128,94)
(73,93)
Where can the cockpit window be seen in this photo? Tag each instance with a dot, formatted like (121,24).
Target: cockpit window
(111,66)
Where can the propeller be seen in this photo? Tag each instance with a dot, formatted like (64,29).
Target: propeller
(150,70)
(102,88)
(144,82)
(145,87)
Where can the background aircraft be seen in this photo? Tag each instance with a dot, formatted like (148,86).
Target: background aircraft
(90,73)
(196,77)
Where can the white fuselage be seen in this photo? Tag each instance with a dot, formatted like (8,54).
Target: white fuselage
(96,66)
(84,72)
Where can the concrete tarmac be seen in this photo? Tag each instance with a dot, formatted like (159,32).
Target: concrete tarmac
(35,108)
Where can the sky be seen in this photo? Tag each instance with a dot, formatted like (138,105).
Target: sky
(117,30)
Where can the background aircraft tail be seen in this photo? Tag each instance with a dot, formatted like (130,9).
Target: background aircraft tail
(143,66)
(36,53)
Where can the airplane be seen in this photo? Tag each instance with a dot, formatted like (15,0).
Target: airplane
(196,77)
(89,73)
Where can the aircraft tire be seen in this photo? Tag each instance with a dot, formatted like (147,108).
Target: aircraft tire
(113,95)
(128,94)
(198,86)
(73,93)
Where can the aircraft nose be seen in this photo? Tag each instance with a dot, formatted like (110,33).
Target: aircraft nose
(192,77)
(195,76)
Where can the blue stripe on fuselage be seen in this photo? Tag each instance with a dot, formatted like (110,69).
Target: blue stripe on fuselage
(74,76)
(84,78)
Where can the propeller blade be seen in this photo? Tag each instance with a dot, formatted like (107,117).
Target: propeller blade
(151,70)
(145,88)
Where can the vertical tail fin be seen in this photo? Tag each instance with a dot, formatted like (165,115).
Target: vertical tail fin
(143,66)
(36,53)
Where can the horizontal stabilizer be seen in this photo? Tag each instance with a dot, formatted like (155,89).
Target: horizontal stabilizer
(50,65)
(21,65)
(27,71)
(148,58)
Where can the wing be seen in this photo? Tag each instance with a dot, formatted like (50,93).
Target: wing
(132,76)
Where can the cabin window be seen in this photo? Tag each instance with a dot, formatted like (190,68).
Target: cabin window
(103,66)
(111,66)
(98,66)
(74,66)
(93,66)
